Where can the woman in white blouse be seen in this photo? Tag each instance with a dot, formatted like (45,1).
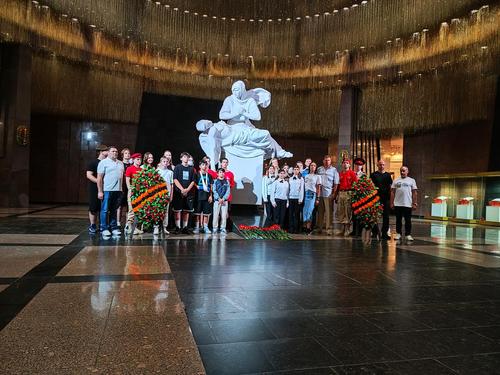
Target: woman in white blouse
(312,186)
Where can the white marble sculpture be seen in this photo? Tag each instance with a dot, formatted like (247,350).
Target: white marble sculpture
(235,134)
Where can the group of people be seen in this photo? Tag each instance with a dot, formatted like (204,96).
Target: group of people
(191,189)
(298,198)
(303,197)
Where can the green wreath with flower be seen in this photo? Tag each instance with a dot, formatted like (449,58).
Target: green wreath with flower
(149,197)
(366,202)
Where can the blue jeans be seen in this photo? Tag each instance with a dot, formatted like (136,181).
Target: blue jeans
(110,204)
(308,209)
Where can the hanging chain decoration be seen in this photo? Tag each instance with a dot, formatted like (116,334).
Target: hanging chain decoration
(304,56)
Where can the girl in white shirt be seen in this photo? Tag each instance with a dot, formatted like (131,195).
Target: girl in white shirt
(267,182)
(295,199)
(168,176)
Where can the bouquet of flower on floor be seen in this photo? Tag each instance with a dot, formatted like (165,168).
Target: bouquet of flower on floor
(274,232)
(366,202)
(150,197)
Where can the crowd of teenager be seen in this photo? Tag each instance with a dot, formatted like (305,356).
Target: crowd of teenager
(195,192)
(299,198)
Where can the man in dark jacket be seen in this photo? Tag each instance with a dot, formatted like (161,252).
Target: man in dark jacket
(383,182)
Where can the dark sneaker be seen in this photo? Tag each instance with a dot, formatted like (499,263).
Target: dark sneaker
(92,229)
(187,230)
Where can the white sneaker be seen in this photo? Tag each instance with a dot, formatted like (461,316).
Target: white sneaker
(128,228)
(116,232)
(409,238)
(215,231)
(156,230)
(137,231)
(166,231)
(397,236)
(106,233)
(223,231)
(196,230)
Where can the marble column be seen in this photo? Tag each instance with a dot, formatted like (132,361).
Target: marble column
(15,114)
(347,122)
(494,162)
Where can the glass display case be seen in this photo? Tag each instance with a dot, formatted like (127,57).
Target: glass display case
(474,196)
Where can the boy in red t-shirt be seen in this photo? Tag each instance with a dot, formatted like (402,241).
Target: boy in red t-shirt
(224,162)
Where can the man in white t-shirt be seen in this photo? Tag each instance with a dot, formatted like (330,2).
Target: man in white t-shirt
(403,201)
(328,193)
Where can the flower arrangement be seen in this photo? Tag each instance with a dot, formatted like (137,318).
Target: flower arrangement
(495,202)
(440,200)
(465,201)
(366,202)
(274,232)
(150,197)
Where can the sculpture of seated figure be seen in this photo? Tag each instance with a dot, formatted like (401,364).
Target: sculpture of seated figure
(238,136)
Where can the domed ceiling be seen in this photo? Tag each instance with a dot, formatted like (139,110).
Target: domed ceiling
(311,47)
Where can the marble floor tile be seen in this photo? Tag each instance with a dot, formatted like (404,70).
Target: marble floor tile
(482,364)
(43,349)
(17,260)
(60,328)
(356,349)
(151,344)
(477,259)
(55,216)
(394,321)
(52,239)
(67,303)
(234,358)
(415,367)
(14,210)
(157,299)
(437,343)
(118,260)
(240,330)
(298,353)
(295,327)
(158,337)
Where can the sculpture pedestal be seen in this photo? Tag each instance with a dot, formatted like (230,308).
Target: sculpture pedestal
(439,209)
(248,177)
(493,213)
(465,211)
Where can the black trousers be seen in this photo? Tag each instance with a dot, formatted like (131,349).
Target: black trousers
(403,212)
(280,212)
(385,217)
(293,215)
(269,212)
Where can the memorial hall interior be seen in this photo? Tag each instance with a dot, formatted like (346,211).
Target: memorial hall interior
(412,83)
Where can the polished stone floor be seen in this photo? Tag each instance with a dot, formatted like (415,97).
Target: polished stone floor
(75,304)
